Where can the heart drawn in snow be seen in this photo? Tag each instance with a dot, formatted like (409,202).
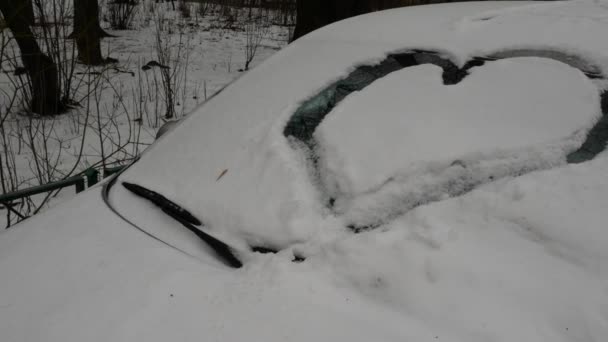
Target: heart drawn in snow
(410,117)
(409,122)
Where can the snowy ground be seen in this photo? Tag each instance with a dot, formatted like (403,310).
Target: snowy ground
(127,104)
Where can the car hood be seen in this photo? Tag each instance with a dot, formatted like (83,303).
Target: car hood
(80,273)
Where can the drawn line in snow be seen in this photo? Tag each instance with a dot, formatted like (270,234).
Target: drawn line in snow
(596,140)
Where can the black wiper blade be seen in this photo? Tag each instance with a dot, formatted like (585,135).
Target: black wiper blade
(187,220)
(221,249)
(164,203)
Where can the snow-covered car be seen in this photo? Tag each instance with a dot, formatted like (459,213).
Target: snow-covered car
(419,174)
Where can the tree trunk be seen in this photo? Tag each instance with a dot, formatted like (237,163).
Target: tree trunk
(313,14)
(28,12)
(40,68)
(88,32)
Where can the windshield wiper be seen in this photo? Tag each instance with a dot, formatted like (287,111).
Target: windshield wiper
(164,203)
(187,220)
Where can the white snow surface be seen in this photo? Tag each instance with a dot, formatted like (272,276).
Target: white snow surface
(266,195)
(409,118)
(519,258)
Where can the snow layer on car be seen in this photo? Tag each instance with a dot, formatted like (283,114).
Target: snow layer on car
(409,125)
(519,259)
(266,195)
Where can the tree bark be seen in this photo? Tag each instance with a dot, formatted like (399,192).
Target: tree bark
(28,11)
(313,14)
(88,32)
(41,69)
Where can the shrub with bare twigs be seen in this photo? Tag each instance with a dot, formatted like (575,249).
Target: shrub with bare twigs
(256,29)
(121,13)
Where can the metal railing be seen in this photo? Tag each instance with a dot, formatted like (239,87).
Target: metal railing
(86,179)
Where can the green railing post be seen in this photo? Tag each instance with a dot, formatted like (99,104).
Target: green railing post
(79,183)
(92,176)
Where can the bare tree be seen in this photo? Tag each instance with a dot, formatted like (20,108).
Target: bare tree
(313,14)
(255,31)
(88,32)
(42,71)
(28,11)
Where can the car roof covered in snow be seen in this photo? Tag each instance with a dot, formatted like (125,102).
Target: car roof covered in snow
(266,194)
